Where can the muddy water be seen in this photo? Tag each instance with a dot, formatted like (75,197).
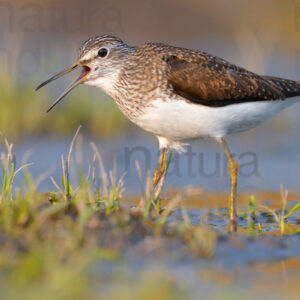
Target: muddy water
(246,264)
(257,261)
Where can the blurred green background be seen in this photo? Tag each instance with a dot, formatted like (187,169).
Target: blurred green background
(38,39)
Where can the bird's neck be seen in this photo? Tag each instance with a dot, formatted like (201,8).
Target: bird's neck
(107,84)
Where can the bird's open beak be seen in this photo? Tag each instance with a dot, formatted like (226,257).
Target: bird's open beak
(80,79)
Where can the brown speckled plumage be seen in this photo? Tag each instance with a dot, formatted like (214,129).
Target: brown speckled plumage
(97,42)
(194,75)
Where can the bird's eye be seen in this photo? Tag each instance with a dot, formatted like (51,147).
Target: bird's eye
(102,52)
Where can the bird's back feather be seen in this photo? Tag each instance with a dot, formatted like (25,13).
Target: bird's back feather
(211,81)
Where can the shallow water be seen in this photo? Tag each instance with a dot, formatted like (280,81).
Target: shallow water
(253,262)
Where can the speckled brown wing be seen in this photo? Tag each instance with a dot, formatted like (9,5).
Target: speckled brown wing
(290,88)
(211,81)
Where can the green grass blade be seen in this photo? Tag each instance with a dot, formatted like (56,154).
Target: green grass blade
(292,211)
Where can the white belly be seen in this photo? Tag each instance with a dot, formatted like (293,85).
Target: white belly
(178,120)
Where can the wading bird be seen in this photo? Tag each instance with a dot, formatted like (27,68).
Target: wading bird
(180,94)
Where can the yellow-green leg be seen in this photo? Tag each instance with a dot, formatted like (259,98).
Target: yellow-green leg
(161,167)
(159,175)
(233,170)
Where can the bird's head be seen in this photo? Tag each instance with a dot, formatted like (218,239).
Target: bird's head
(101,59)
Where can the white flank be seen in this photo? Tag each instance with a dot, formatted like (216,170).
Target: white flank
(175,121)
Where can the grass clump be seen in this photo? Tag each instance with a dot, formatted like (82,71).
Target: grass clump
(51,243)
